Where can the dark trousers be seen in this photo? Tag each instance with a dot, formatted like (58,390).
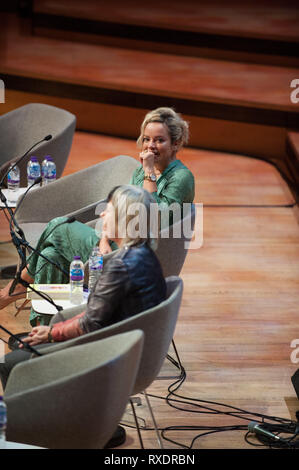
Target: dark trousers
(10,360)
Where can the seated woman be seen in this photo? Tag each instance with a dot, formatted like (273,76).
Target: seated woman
(132,280)
(163,133)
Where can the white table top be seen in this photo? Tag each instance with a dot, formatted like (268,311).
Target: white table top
(12,196)
(43,307)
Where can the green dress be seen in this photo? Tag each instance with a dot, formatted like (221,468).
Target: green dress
(61,241)
(176,184)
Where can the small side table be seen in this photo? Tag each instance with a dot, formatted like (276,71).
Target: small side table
(12,197)
(42,307)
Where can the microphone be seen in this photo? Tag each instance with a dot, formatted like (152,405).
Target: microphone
(36,181)
(255,428)
(18,242)
(48,137)
(26,345)
(70,220)
(24,243)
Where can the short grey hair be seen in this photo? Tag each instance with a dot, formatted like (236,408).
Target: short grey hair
(132,205)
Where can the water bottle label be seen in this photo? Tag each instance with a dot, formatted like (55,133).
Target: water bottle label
(13,181)
(33,171)
(77,274)
(96,264)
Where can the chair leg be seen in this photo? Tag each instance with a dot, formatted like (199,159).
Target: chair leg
(180,367)
(136,400)
(137,425)
(177,356)
(153,419)
(128,418)
(19,309)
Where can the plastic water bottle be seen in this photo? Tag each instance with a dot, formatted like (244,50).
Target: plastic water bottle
(95,267)
(44,168)
(76,281)
(48,170)
(33,170)
(13,178)
(3,421)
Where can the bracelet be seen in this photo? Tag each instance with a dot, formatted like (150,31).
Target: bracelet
(50,337)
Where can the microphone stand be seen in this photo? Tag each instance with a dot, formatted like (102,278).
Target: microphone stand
(48,137)
(26,345)
(21,244)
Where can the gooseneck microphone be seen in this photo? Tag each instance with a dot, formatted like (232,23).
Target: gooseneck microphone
(21,244)
(256,428)
(48,137)
(36,181)
(26,345)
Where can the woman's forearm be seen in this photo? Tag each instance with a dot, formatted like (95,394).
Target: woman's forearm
(68,329)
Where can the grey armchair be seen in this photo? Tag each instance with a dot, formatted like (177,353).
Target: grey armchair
(84,190)
(158,325)
(171,252)
(173,242)
(22,127)
(75,398)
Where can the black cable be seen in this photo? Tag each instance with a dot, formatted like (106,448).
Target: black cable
(4,340)
(236,410)
(282,425)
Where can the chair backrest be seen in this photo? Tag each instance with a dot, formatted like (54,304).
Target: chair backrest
(158,325)
(174,241)
(84,190)
(22,127)
(172,245)
(73,398)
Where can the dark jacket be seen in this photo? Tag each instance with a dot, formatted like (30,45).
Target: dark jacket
(132,281)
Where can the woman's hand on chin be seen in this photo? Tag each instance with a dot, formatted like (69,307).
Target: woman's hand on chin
(147,160)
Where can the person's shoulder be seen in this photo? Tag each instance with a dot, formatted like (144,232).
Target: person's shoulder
(138,171)
(115,262)
(182,172)
(136,254)
(182,167)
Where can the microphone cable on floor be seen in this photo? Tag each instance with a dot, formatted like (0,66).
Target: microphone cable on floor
(182,403)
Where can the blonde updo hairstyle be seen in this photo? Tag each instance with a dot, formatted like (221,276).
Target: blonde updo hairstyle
(178,128)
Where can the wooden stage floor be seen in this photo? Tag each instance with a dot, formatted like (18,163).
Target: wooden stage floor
(239,312)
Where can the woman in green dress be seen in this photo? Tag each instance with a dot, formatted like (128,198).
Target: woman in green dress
(163,133)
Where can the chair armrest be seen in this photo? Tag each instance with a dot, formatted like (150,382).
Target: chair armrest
(67,313)
(86,214)
(45,203)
